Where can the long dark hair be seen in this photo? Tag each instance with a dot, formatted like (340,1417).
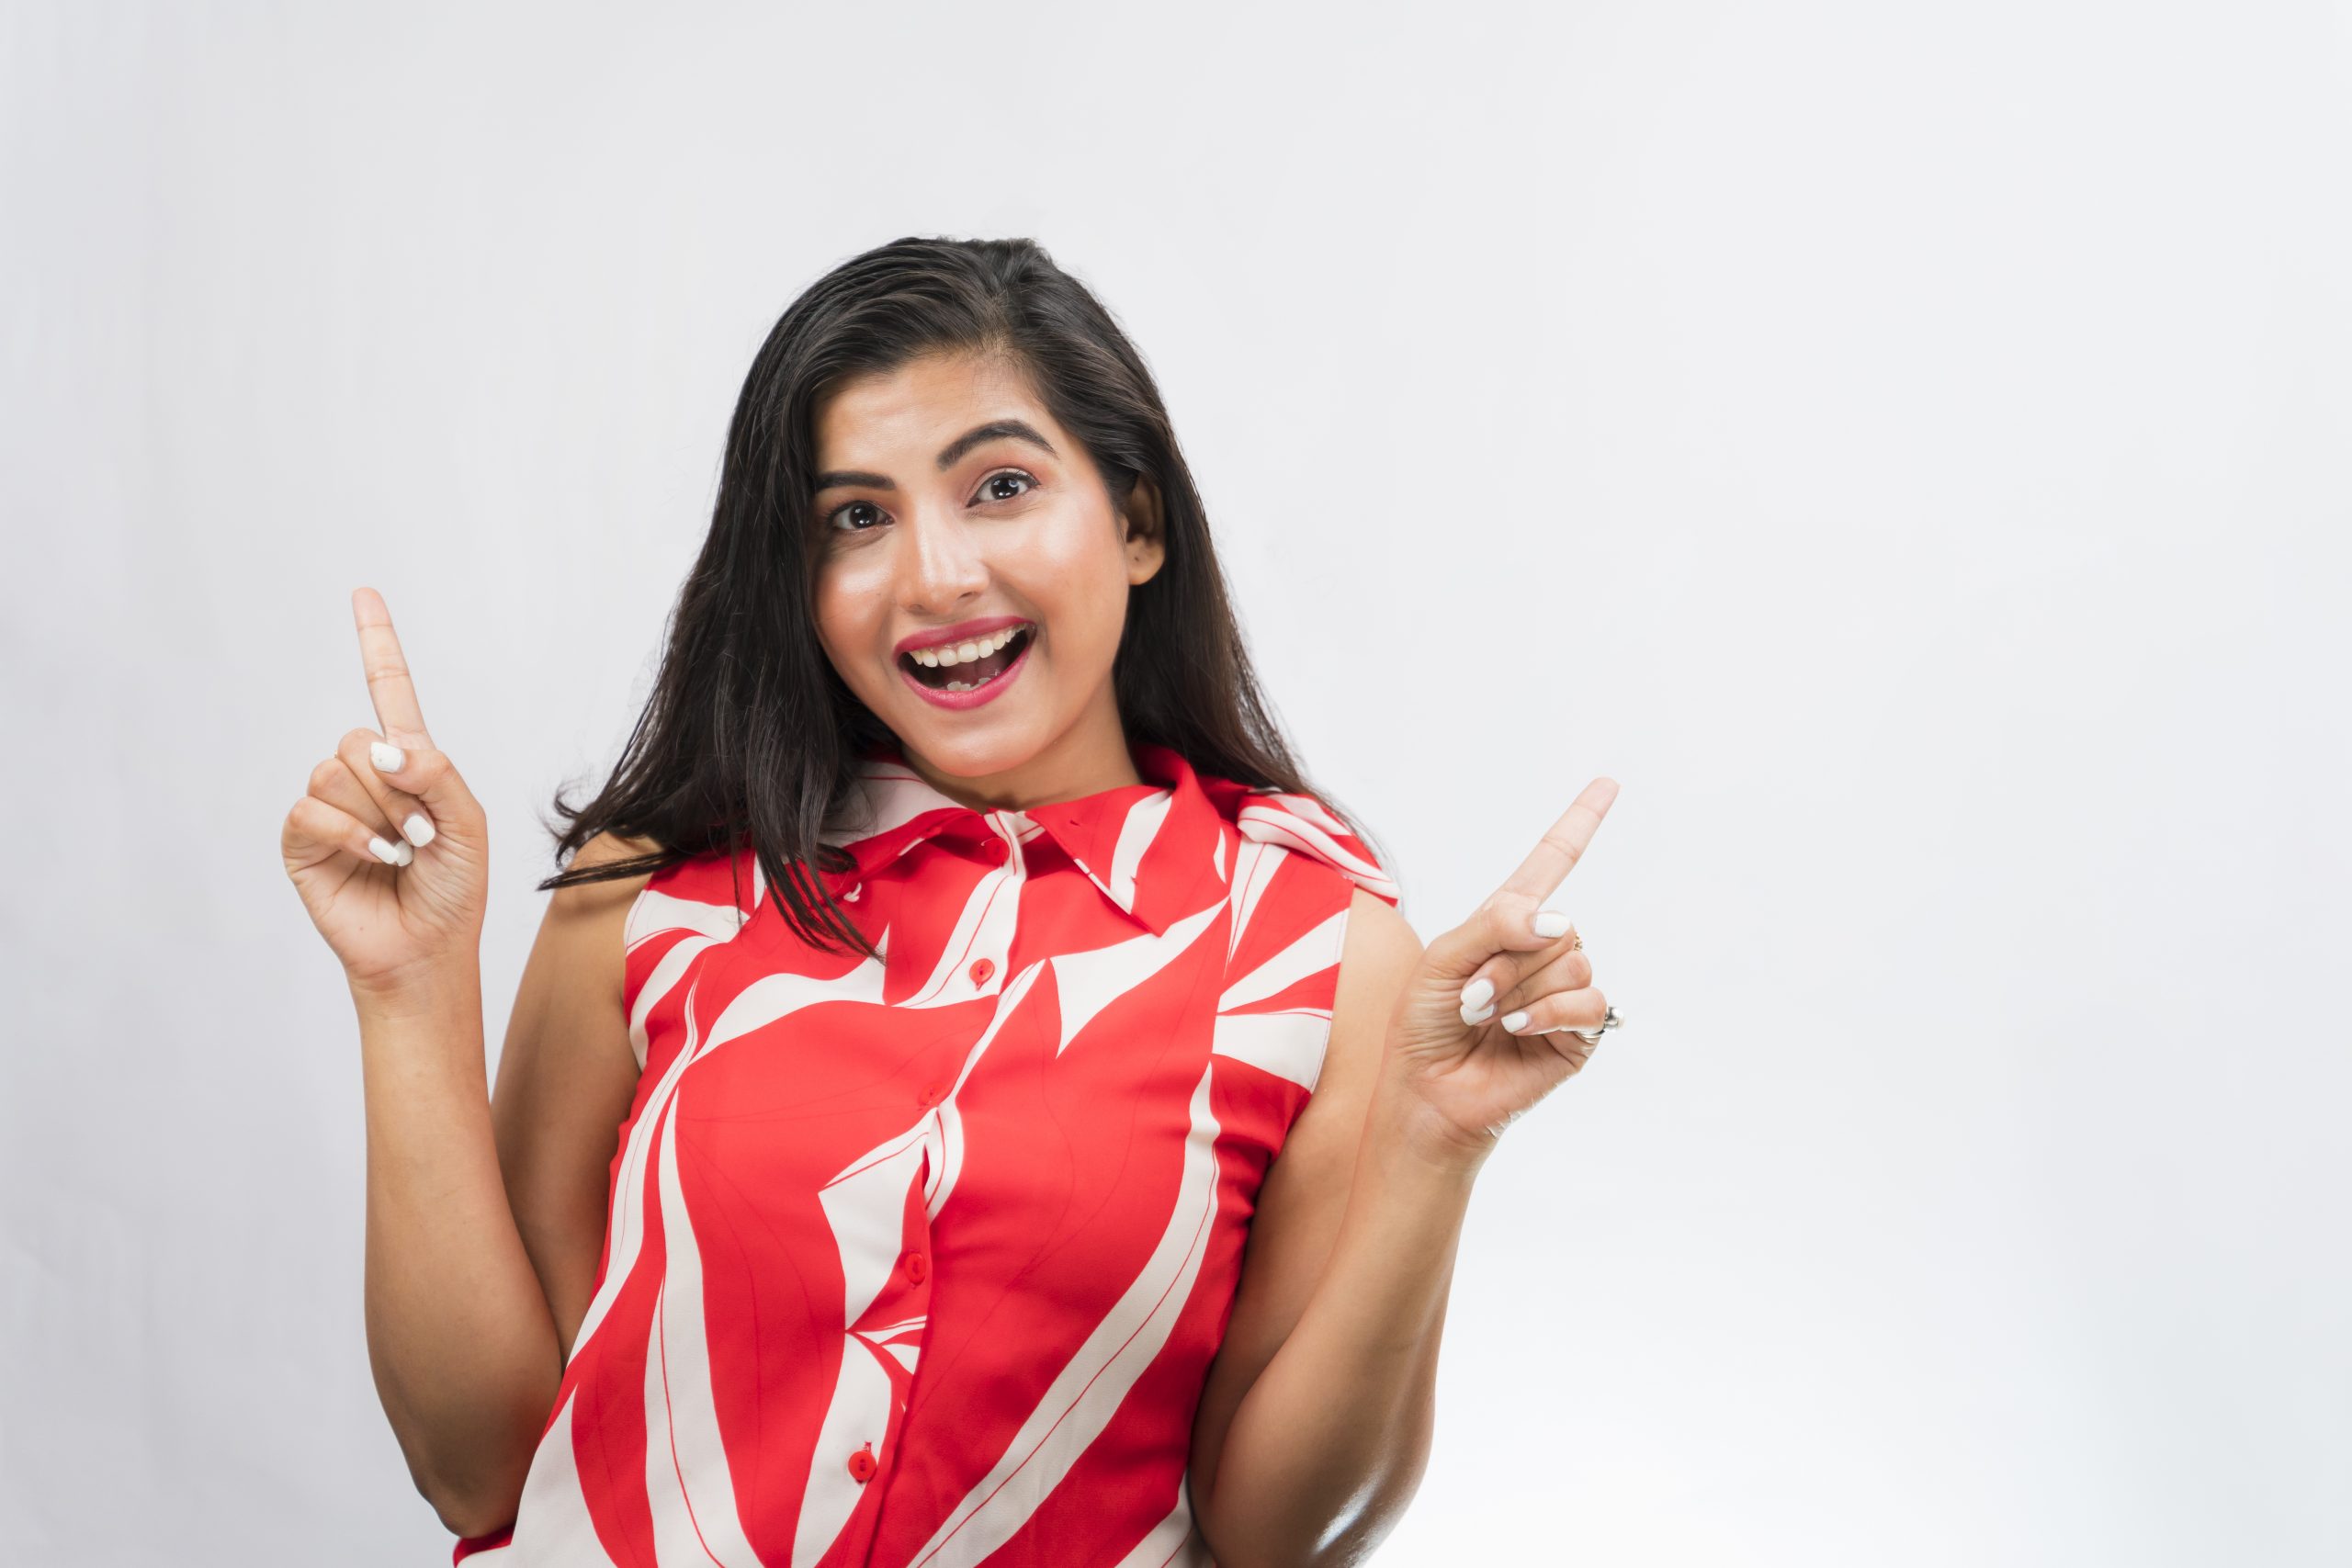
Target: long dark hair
(750,734)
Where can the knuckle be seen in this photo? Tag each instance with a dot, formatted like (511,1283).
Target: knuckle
(326,776)
(1565,845)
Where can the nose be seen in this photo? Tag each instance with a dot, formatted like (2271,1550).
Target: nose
(945,568)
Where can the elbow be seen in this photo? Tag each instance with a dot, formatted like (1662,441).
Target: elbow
(468,1513)
(1341,1532)
(470,1498)
(471,1467)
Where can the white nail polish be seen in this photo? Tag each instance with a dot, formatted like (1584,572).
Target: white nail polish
(407,851)
(418,828)
(1513,1022)
(1552,922)
(1477,1015)
(1477,993)
(388,759)
(383,852)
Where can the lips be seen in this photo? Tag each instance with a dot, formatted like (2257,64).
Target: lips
(966,665)
(961,632)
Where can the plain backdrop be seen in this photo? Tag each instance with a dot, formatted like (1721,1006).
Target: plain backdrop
(1904,445)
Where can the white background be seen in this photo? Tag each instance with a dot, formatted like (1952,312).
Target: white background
(1905,445)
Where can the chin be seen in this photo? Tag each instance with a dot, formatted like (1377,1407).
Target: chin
(979,744)
(967,756)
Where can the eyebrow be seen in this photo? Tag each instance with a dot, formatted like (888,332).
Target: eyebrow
(995,429)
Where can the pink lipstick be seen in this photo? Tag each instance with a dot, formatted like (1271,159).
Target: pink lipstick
(967,664)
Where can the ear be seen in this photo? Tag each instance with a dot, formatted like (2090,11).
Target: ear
(1144,524)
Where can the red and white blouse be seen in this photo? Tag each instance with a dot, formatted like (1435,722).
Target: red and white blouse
(921,1262)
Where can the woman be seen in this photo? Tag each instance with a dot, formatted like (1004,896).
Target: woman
(970,973)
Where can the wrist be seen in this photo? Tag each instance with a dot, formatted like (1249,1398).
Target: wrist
(420,990)
(1401,1123)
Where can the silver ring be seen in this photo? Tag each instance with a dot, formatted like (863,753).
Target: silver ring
(1592,1036)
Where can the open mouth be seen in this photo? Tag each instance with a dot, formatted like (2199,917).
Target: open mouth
(967,666)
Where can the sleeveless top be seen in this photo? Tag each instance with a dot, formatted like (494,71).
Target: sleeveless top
(922,1262)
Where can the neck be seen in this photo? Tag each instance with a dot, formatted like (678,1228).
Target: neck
(1092,756)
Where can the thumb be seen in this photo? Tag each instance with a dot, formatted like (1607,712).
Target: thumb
(429,775)
(1506,922)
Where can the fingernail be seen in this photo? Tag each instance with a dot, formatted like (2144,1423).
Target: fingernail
(1479,1015)
(407,852)
(1513,1022)
(418,828)
(1477,993)
(388,759)
(1552,922)
(384,852)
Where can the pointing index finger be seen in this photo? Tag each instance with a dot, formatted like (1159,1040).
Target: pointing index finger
(397,714)
(1563,844)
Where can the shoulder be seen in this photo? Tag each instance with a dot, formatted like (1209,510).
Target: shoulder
(584,920)
(609,897)
(572,983)
(1375,961)
(1380,939)
(603,849)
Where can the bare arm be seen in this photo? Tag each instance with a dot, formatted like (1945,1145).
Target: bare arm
(479,1216)
(1326,1422)
(1314,1427)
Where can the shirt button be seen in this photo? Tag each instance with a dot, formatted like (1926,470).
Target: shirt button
(917,1267)
(861,1464)
(982,969)
(932,1094)
(994,849)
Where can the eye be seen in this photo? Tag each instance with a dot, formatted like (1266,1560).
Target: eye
(1004,475)
(835,518)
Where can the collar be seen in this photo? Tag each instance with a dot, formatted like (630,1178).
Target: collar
(1156,849)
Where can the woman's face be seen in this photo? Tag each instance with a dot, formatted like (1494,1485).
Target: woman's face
(973,576)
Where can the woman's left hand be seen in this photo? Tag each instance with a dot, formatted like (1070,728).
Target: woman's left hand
(1481,1030)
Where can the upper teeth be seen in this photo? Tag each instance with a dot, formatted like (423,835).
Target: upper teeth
(965,652)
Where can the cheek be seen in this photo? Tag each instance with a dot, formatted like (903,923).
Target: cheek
(847,611)
(1079,587)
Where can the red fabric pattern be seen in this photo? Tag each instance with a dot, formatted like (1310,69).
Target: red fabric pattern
(922,1262)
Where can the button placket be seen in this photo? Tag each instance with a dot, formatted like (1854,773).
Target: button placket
(987,958)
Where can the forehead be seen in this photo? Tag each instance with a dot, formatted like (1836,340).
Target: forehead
(913,411)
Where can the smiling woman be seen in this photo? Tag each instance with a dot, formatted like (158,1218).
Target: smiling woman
(971,1102)
(976,608)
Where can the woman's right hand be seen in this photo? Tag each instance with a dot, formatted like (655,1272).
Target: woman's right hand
(391,924)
